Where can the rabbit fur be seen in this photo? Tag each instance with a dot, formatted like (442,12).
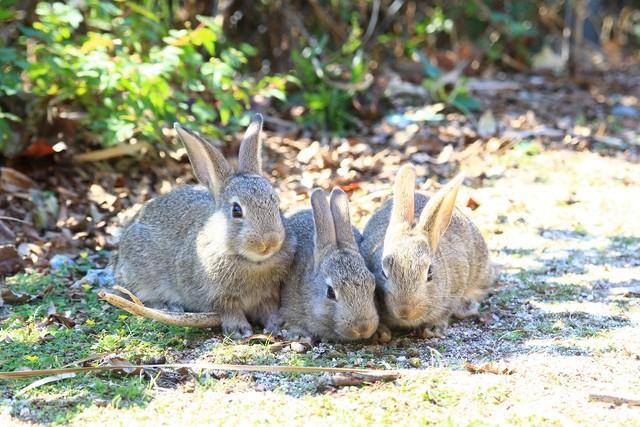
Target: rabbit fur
(330,293)
(430,261)
(219,247)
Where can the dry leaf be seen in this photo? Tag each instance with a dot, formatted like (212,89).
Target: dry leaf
(488,368)
(12,181)
(10,297)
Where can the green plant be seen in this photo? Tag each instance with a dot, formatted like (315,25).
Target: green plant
(454,94)
(329,85)
(128,74)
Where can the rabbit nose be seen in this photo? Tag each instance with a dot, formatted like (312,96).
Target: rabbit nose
(271,243)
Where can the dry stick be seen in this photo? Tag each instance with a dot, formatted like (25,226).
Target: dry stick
(10,218)
(371,374)
(616,400)
(196,320)
(130,294)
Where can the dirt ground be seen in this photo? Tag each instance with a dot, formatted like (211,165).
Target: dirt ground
(561,324)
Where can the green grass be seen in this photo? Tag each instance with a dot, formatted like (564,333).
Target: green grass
(28,344)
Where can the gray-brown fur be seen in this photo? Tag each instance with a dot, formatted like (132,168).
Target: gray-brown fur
(327,255)
(185,250)
(441,237)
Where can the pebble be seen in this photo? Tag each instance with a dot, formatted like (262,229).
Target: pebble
(59,261)
(412,352)
(25,412)
(276,347)
(298,347)
(625,111)
(415,362)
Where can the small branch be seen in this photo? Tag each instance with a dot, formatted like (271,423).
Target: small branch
(10,218)
(195,320)
(372,373)
(616,400)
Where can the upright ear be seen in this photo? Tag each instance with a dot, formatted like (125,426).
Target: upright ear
(436,215)
(403,196)
(325,233)
(250,157)
(209,165)
(342,220)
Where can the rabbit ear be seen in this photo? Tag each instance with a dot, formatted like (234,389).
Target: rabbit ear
(436,215)
(341,220)
(209,165)
(250,157)
(403,196)
(325,233)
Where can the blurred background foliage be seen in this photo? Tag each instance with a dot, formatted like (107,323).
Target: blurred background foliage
(102,73)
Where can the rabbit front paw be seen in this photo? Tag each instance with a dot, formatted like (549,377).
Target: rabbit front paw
(273,324)
(237,328)
(382,335)
(466,309)
(432,331)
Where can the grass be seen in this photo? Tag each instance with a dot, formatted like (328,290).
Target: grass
(550,319)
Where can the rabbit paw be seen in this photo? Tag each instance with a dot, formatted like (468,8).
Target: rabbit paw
(237,328)
(382,335)
(466,309)
(273,324)
(432,331)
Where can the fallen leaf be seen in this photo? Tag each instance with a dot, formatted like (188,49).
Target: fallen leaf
(10,297)
(10,261)
(472,204)
(60,319)
(488,368)
(12,181)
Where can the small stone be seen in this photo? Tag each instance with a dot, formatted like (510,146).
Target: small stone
(276,347)
(401,358)
(415,362)
(412,352)
(333,354)
(298,347)
(25,412)
(625,111)
(59,261)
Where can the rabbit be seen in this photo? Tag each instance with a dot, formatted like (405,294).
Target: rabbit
(218,247)
(330,293)
(429,269)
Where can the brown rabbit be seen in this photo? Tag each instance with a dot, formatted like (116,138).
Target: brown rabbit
(221,247)
(426,269)
(330,292)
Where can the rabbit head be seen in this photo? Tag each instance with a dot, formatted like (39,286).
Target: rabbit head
(408,265)
(343,287)
(247,206)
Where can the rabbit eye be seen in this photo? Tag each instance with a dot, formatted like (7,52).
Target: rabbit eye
(330,293)
(429,274)
(236,210)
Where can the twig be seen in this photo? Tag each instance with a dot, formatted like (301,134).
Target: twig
(130,294)
(201,366)
(616,400)
(10,218)
(196,320)
(375,10)
(46,380)
(108,153)
(337,31)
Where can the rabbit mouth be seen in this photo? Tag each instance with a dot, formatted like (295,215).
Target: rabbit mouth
(258,257)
